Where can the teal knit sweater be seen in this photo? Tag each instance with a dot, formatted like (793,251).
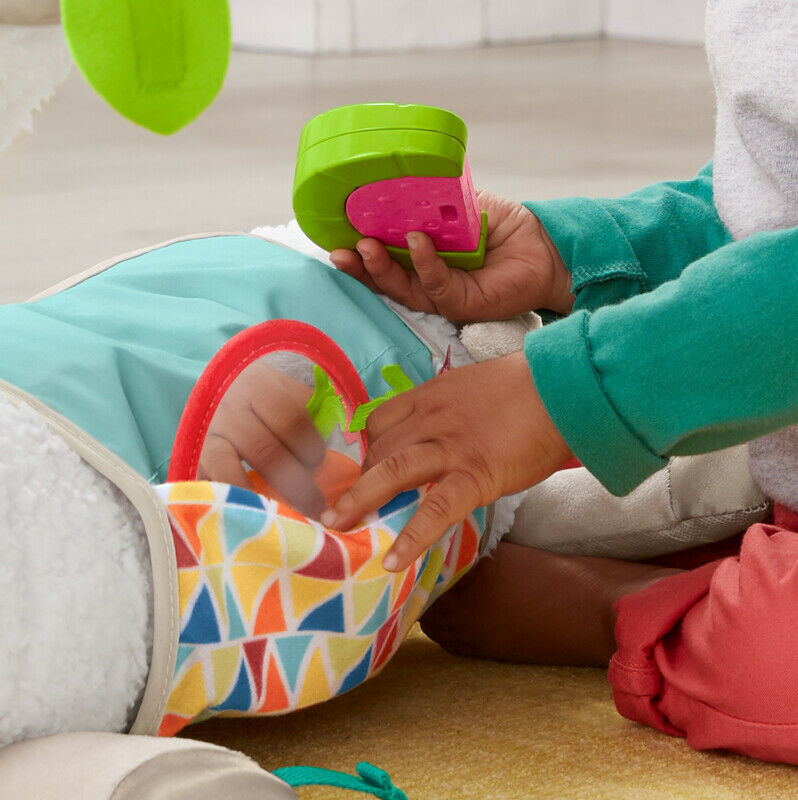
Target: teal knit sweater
(681,341)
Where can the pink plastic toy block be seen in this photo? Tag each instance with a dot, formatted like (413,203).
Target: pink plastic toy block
(444,208)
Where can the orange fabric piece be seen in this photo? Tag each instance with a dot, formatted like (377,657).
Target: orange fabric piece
(335,475)
(270,617)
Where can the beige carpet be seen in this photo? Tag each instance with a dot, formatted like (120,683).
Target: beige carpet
(447,728)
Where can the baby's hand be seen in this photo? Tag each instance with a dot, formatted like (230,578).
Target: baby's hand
(523,270)
(479,431)
(263,420)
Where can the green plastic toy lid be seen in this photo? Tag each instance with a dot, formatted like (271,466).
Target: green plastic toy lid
(351,146)
(364,117)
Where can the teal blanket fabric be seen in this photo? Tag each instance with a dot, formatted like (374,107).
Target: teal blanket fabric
(681,340)
(118,353)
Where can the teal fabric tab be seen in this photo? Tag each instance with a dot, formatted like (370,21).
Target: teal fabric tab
(370,780)
(560,359)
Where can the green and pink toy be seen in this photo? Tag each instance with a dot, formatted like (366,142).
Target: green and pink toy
(383,170)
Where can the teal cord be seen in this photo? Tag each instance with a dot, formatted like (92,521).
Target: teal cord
(371,780)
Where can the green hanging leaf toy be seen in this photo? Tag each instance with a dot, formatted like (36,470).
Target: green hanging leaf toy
(159,63)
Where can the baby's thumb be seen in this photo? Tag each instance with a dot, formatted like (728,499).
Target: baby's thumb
(433,272)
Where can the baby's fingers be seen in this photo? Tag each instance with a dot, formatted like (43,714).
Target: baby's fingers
(407,469)
(350,262)
(445,505)
(434,274)
(270,458)
(220,462)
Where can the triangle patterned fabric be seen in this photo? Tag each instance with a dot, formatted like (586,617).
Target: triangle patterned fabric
(278,612)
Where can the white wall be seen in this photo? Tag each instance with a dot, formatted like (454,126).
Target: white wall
(655,20)
(347,26)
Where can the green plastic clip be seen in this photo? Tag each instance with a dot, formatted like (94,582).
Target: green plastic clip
(395,378)
(325,407)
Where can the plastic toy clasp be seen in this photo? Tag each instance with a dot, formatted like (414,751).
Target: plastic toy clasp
(382,170)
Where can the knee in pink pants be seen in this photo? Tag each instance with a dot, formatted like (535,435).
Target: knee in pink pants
(712,654)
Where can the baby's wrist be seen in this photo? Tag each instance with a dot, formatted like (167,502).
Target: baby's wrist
(561,299)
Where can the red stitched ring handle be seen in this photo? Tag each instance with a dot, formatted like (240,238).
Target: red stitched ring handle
(239,352)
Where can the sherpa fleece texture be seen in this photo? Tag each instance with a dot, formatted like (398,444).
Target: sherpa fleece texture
(75,594)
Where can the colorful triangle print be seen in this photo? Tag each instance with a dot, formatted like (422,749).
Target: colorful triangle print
(187,580)
(183,653)
(172,724)
(224,662)
(378,617)
(254,652)
(240,698)
(249,580)
(270,617)
(399,518)
(468,547)
(315,687)
(328,564)
(357,675)
(365,597)
(191,492)
(184,554)
(308,592)
(236,629)
(386,644)
(301,540)
(358,548)
(400,501)
(276,698)
(241,524)
(291,650)
(345,652)
(327,617)
(266,549)
(188,697)
(187,516)
(215,579)
(242,497)
(208,532)
(407,587)
(432,571)
(201,626)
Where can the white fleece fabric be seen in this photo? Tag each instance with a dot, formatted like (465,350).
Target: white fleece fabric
(75,589)
(33,61)
(752,47)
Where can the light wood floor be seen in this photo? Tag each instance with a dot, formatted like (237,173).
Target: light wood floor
(545,120)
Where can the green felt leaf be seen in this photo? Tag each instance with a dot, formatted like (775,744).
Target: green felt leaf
(159,63)
(325,407)
(395,377)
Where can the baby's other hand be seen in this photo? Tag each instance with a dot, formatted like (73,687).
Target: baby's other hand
(522,271)
(479,432)
(263,420)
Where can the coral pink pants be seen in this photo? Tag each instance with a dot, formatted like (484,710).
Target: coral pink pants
(712,654)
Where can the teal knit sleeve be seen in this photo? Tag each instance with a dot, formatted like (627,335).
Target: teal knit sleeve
(698,364)
(616,249)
